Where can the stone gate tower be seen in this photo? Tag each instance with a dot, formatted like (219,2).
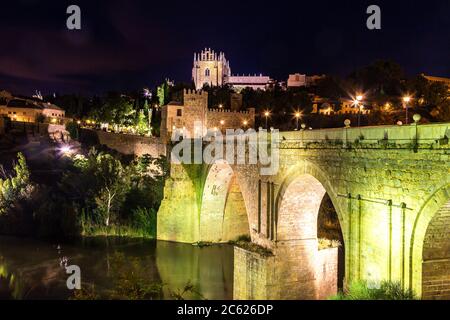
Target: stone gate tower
(210,68)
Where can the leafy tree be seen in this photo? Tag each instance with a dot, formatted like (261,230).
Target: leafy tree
(381,77)
(108,193)
(116,109)
(109,180)
(17,187)
(163,93)
(142,123)
(330,87)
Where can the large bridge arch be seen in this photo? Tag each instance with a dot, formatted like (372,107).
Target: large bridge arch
(223,214)
(311,273)
(319,185)
(430,247)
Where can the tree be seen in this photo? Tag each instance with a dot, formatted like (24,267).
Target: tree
(15,188)
(142,123)
(115,108)
(381,77)
(109,173)
(331,88)
(163,93)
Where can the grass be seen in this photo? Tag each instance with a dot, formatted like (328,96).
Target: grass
(115,231)
(365,290)
(245,242)
(327,244)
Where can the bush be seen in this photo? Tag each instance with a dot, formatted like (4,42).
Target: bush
(14,188)
(386,290)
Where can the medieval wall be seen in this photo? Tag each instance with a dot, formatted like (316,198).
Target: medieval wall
(125,143)
(223,119)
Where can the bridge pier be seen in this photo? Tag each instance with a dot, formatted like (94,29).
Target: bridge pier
(296,271)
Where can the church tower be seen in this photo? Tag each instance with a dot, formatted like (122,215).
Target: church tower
(210,68)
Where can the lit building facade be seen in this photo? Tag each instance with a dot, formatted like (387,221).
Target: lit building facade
(28,110)
(213,69)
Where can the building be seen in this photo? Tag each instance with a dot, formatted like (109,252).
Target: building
(445,81)
(177,117)
(256,82)
(213,69)
(28,109)
(210,69)
(298,80)
(327,107)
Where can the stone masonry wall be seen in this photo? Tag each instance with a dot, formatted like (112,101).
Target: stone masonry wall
(436,256)
(231,119)
(129,144)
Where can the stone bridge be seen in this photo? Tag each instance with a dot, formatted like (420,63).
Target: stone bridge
(390,189)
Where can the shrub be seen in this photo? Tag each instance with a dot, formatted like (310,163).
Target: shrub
(386,290)
(14,188)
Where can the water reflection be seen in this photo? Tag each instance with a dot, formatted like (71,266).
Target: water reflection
(32,269)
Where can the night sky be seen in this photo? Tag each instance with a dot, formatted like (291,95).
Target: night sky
(126,45)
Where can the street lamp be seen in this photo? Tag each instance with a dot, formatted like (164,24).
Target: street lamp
(358,103)
(267,114)
(297,117)
(406,100)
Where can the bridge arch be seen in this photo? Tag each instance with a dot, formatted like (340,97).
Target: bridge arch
(223,214)
(430,247)
(318,273)
(319,184)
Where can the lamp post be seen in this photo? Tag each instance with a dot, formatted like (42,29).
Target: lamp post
(406,100)
(357,103)
(297,117)
(267,114)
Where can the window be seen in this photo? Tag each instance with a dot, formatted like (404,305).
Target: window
(179,112)
(207,73)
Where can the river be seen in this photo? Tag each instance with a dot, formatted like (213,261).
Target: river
(34,269)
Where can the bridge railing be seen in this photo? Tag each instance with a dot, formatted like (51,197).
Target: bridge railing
(428,134)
